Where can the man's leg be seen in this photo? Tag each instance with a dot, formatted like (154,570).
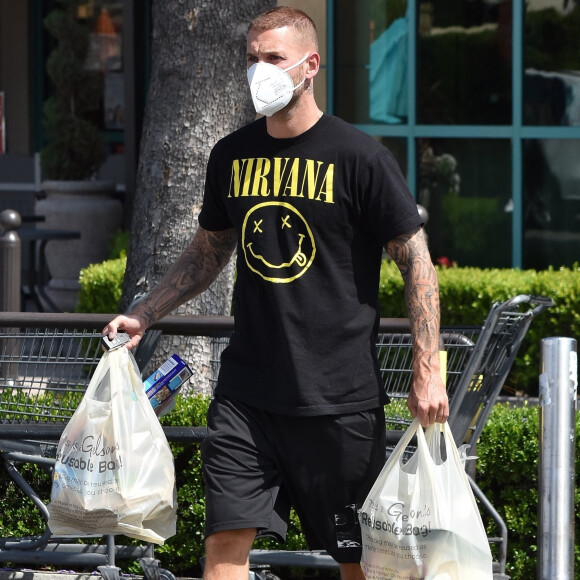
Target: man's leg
(351,572)
(227,554)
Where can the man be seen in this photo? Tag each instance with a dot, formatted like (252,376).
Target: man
(310,202)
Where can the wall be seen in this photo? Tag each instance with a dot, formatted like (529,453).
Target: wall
(14,74)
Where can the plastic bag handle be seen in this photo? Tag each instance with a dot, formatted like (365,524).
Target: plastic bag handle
(126,361)
(405,440)
(423,449)
(451,450)
(422,437)
(100,371)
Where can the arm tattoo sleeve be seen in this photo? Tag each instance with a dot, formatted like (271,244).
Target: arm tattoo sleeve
(191,274)
(410,253)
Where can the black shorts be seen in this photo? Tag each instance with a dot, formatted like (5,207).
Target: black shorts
(258,464)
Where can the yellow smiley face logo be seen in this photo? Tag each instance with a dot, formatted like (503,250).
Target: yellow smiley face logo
(278,244)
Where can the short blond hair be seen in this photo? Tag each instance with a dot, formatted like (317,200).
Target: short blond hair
(282,16)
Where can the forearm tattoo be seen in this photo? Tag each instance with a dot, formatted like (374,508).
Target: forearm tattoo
(191,274)
(411,255)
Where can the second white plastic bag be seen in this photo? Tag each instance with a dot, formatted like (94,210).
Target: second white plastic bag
(420,520)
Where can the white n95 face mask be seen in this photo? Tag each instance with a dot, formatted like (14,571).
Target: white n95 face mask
(271,86)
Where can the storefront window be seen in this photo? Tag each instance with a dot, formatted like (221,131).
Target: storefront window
(464,62)
(105,23)
(469,206)
(551,202)
(464,133)
(371,61)
(398,147)
(552,63)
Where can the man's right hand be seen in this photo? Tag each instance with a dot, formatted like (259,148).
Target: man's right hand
(132,325)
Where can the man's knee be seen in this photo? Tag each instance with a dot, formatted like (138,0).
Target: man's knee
(231,546)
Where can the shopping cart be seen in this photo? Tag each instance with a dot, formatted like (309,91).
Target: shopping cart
(46,364)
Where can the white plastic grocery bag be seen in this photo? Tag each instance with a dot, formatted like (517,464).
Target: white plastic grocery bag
(420,520)
(114,471)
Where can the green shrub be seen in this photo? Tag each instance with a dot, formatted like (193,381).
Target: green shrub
(467,295)
(102,286)
(507,472)
(181,553)
(20,516)
(75,147)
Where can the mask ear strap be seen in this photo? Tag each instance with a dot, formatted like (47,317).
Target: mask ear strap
(299,84)
(295,65)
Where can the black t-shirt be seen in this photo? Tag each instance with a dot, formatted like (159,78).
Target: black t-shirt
(312,215)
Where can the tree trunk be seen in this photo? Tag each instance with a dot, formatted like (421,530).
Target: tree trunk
(198,94)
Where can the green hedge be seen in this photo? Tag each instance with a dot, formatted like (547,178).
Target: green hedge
(102,286)
(507,472)
(467,295)
(181,553)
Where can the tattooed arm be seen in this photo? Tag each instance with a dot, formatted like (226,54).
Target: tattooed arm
(427,398)
(190,275)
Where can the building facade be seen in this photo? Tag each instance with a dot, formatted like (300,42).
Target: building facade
(479,101)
